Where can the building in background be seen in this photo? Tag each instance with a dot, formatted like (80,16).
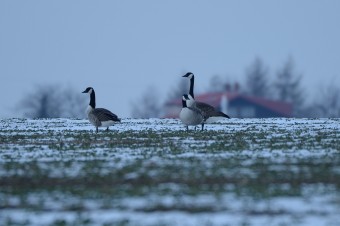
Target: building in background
(236,105)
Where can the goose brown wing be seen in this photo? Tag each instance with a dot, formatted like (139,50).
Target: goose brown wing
(209,111)
(205,108)
(196,110)
(105,115)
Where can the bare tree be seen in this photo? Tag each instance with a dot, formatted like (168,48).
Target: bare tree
(217,84)
(257,79)
(328,102)
(181,87)
(51,101)
(75,104)
(148,106)
(288,87)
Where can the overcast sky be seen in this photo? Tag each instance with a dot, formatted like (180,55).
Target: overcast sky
(122,47)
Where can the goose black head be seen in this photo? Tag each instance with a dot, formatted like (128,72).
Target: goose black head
(188,75)
(88,90)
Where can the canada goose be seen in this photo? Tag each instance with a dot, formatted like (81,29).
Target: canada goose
(99,117)
(190,116)
(209,112)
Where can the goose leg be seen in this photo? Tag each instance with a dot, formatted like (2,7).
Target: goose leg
(96,129)
(202,126)
(107,129)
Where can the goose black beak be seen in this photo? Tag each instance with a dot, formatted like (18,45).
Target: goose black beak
(84,91)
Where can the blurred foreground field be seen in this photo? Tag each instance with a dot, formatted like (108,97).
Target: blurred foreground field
(152,172)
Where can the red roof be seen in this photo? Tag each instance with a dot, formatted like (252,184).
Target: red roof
(276,106)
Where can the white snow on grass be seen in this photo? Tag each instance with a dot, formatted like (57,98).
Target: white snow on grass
(171,203)
(240,211)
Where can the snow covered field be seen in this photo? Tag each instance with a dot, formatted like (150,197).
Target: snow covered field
(152,172)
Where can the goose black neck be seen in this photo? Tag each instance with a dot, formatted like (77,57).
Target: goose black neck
(93,99)
(184,103)
(191,90)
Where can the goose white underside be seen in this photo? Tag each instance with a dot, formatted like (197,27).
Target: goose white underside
(189,117)
(215,119)
(107,123)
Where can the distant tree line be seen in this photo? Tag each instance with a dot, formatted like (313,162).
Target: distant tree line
(285,85)
(51,101)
